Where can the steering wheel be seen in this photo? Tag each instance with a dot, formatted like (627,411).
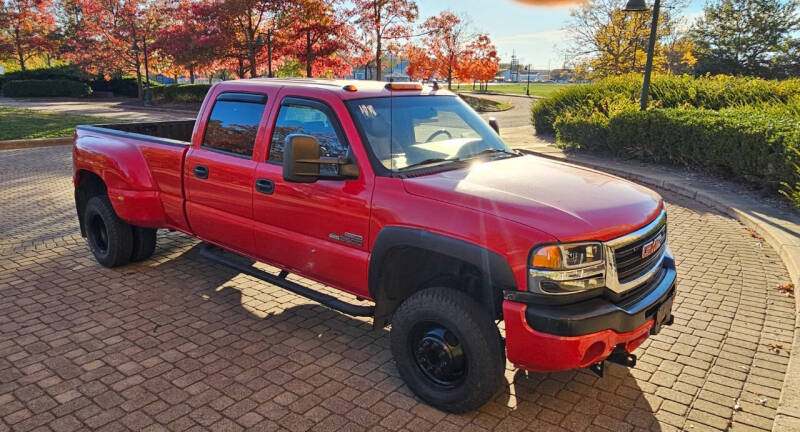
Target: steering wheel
(439,132)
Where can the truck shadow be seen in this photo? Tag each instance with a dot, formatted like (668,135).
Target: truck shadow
(298,336)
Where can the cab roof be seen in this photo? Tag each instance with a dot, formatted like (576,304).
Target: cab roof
(363,88)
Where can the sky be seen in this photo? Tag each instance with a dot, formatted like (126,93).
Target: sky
(535,33)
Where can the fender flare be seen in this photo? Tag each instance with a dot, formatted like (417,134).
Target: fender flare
(496,273)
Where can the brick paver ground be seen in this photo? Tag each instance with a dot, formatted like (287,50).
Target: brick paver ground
(176,343)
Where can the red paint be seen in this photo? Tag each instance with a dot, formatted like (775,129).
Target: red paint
(534,351)
(508,206)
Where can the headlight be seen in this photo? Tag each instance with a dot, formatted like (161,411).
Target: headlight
(567,268)
(567,256)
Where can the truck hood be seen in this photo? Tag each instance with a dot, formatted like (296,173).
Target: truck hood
(568,202)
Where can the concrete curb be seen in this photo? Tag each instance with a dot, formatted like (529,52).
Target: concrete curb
(780,231)
(498,94)
(37,142)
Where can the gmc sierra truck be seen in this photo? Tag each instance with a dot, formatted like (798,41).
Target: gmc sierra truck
(401,195)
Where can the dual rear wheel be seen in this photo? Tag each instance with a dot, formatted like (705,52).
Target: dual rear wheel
(113,241)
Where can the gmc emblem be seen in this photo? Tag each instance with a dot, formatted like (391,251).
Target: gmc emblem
(651,247)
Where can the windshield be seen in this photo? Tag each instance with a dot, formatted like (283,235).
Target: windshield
(414,131)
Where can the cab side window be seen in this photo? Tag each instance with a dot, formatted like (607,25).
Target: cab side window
(233,123)
(307,120)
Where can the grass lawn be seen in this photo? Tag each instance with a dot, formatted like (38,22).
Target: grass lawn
(537,89)
(18,123)
(484,105)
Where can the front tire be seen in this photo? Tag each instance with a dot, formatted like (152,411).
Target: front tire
(447,349)
(109,237)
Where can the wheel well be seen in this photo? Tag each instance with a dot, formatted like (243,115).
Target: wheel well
(406,270)
(88,185)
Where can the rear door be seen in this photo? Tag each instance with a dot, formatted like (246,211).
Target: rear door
(321,229)
(219,172)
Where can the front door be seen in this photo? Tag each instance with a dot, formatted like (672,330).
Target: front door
(317,229)
(219,174)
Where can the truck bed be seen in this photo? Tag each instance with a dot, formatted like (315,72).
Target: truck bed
(166,132)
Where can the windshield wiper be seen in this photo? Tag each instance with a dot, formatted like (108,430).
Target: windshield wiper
(427,162)
(490,151)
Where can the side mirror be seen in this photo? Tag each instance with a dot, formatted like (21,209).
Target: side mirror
(301,161)
(494,125)
(298,149)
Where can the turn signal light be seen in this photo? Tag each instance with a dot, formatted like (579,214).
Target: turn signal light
(547,257)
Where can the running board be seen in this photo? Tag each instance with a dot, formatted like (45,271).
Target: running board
(281,281)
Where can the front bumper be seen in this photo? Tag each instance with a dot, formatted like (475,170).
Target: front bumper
(542,338)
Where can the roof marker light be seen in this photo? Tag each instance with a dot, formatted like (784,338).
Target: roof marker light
(350,88)
(404,86)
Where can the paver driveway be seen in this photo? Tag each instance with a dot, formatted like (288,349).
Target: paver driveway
(177,343)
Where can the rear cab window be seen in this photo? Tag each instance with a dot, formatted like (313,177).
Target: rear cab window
(233,123)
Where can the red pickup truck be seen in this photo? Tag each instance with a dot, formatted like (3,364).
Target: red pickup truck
(403,196)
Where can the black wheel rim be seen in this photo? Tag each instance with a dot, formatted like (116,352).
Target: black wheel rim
(98,234)
(438,354)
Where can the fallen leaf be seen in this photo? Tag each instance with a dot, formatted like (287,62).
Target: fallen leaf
(775,347)
(787,288)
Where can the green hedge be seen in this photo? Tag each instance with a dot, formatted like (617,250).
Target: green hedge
(67,72)
(759,147)
(611,96)
(46,88)
(181,92)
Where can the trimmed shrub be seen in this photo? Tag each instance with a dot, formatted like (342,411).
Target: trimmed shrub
(67,72)
(46,88)
(744,144)
(187,93)
(666,91)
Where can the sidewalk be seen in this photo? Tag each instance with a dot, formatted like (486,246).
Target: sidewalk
(779,227)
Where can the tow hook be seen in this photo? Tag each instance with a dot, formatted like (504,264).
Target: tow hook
(618,356)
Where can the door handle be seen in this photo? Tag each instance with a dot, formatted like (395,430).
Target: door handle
(201,171)
(265,186)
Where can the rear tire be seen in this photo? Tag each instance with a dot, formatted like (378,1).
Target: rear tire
(448,349)
(109,237)
(144,243)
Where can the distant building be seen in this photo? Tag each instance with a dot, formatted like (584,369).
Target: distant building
(508,75)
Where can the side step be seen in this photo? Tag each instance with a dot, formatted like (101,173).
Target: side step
(280,280)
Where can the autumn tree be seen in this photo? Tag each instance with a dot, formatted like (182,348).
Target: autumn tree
(245,21)
(749,37)
(420,65)
(480,61)
(446,39)
(193,40)
(384,19)
(25,29)
(319,37)
(610,41)
(115,35)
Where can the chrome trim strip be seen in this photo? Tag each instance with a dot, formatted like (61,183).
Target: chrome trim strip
(646,230)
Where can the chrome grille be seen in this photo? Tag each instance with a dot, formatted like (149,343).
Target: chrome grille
(626,270)
(630,264)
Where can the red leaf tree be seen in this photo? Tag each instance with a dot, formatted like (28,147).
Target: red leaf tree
(320,37)
(384,19)
(194,39)
(445,42)
(480,62)
(25,29)
(115,35)
(246,24)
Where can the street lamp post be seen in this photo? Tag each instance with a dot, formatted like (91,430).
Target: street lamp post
(641,6)
(528,87)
